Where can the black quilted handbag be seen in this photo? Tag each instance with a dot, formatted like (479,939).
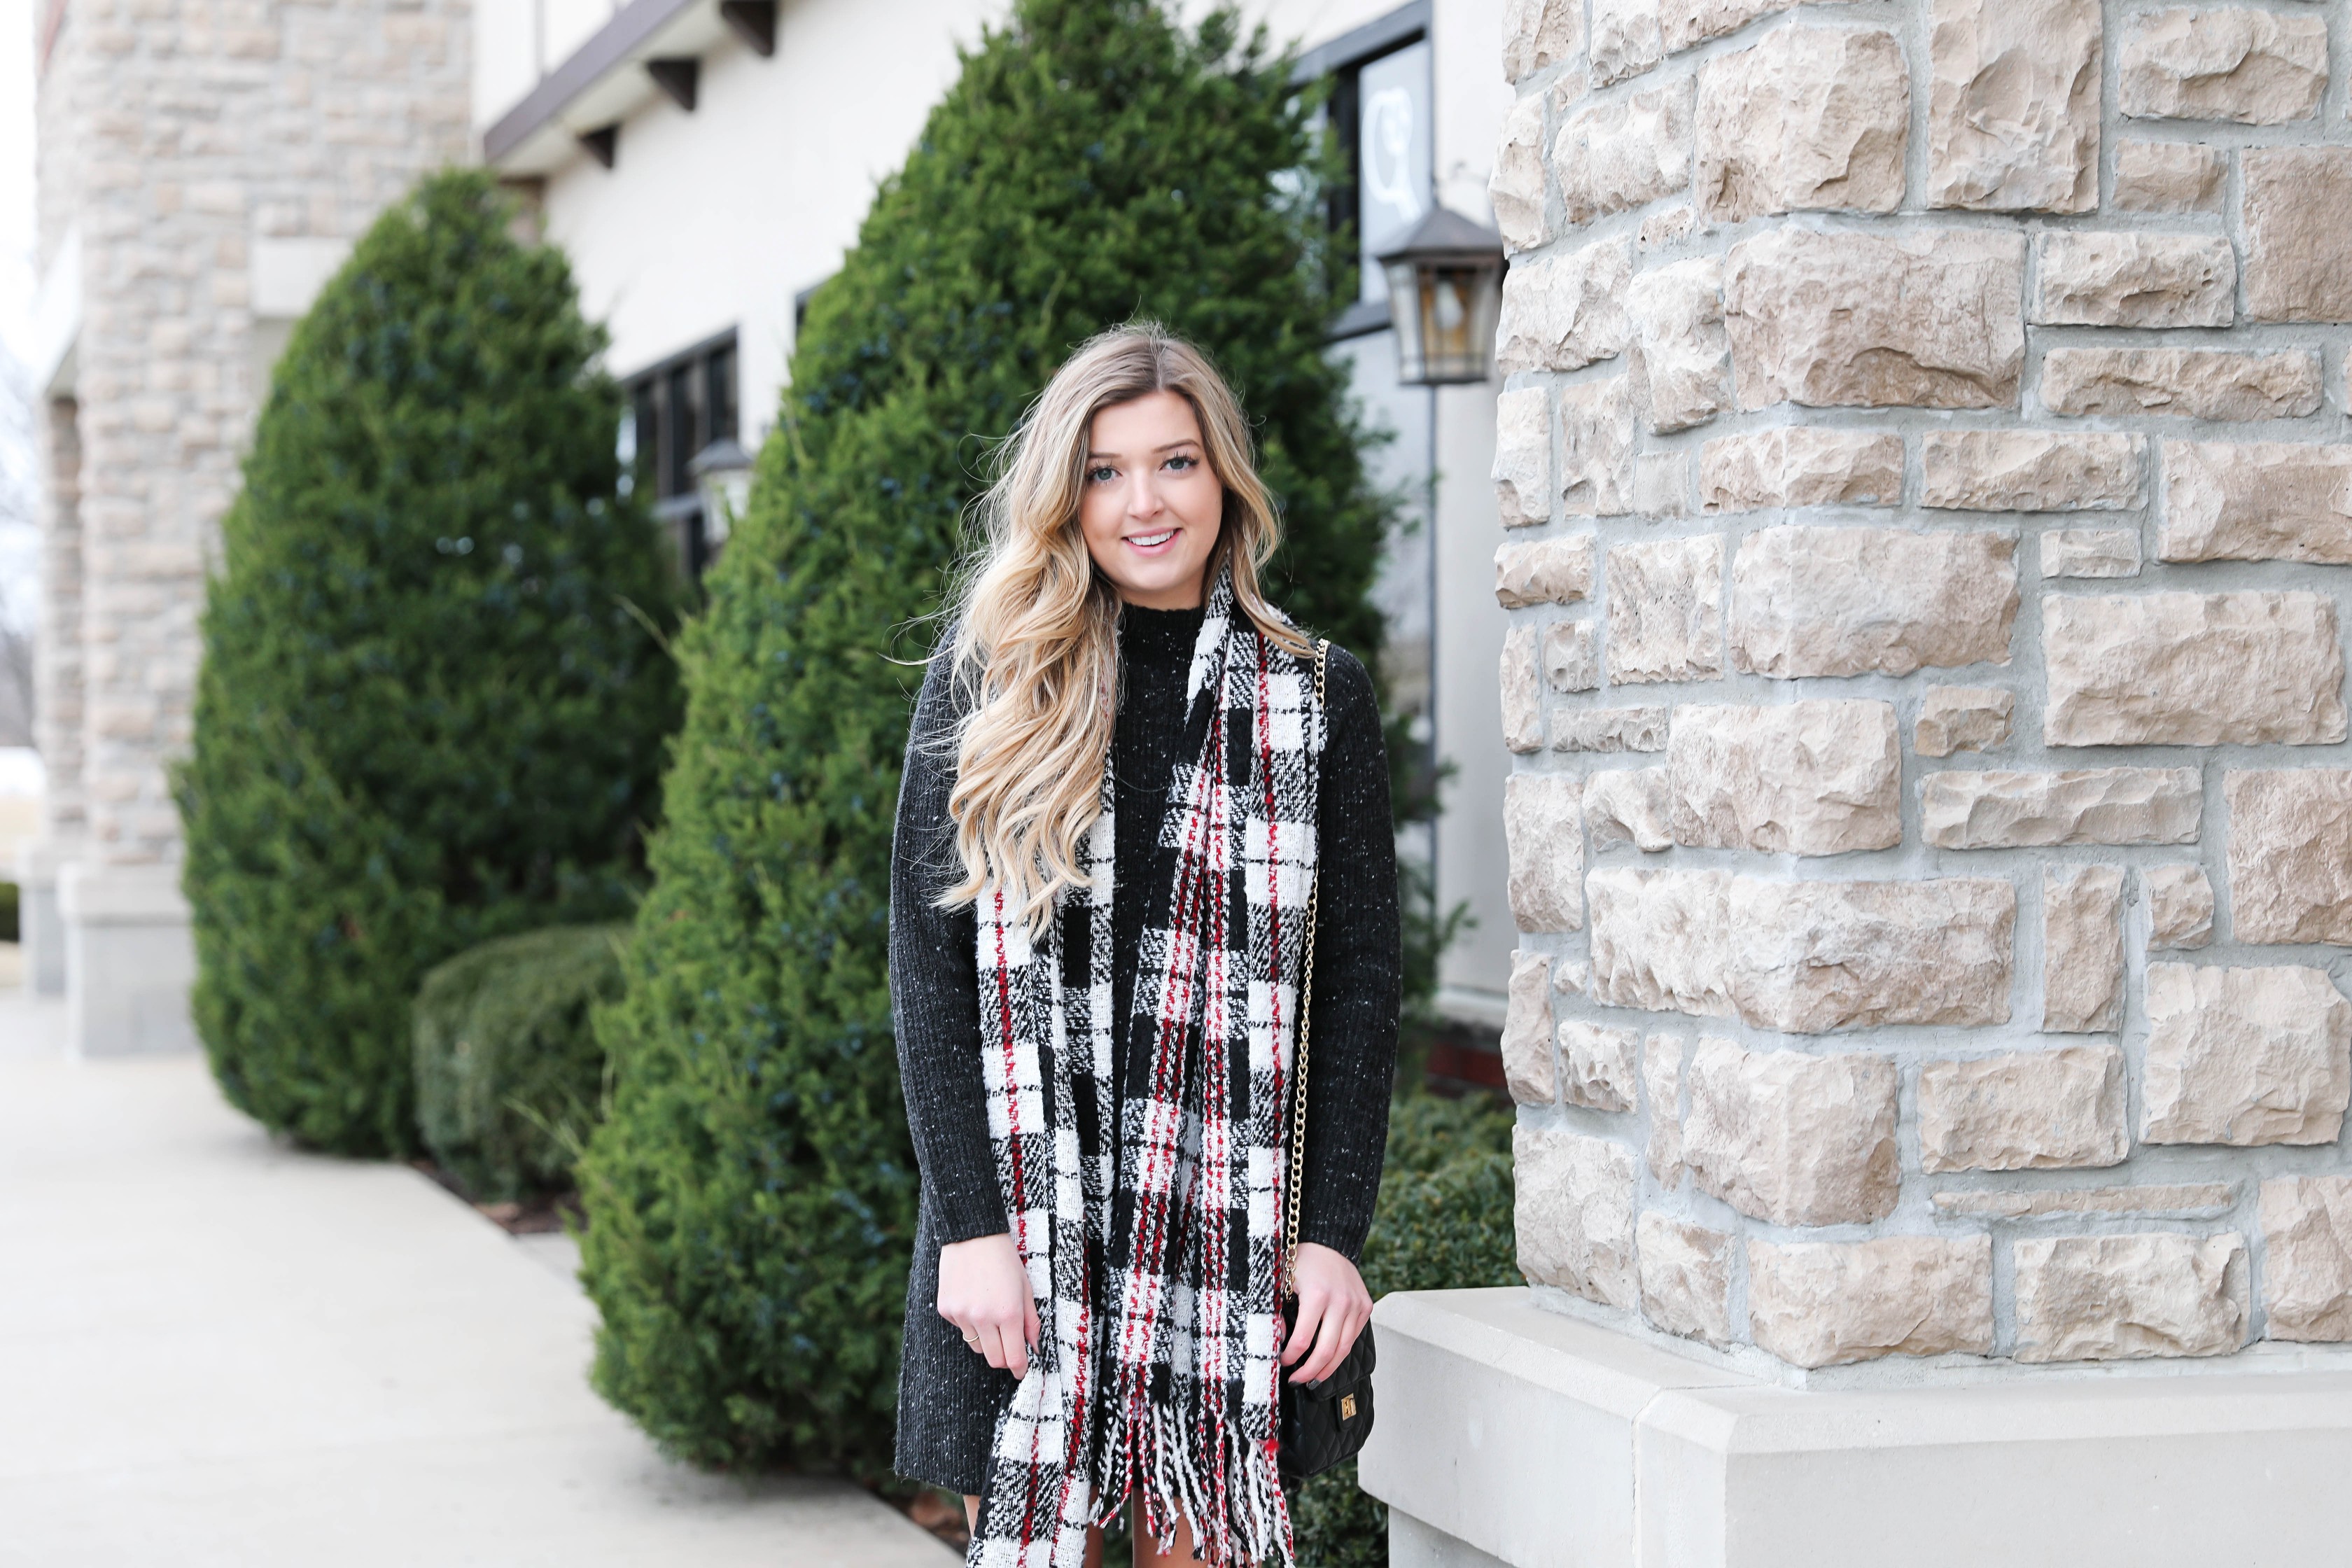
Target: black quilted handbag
(1321,1423)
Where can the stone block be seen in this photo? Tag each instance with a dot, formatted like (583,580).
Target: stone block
(1825,1303)
(2295,199)
(2090,552)
(1996,809)
(2123,1297)
(1626,41)
(1538,33)
(1686,1272)
(1670,227)
(1924,318)
(2029,470)
(1662,940)
(1662,1084)
(1802,466)
(2222,62)
(1565,311)
(1790,1137)
(2083,950)
(1597,438)
(1600,1064)
(2026,1111)
(2191,669)
(1528,1070)
(2168,178)
(1516,187)
(1807,119)
(1572,656)
(2290,855)
(1666,610)
(1662,485)
(2013,116)
(1522,700)
(2244,1055)
(1574,1213)
(2307,1257)
(1962,719)
(1814,601)
(1608,729)
(2207,1199)
(1629,805)
(2179,906)
(2185,383)
(1818,777)
(1543,833)
(1624,153)
(1522,471)
(2257,501)
(1548,572)
(1683,353)
(2093,279)
(1803,957)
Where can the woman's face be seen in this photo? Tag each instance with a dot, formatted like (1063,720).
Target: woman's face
(1149,504)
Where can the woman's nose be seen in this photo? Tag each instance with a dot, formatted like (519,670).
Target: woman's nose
(1143,497)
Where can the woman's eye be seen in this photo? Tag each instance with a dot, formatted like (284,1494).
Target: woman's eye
(1181,462)
(1101,476)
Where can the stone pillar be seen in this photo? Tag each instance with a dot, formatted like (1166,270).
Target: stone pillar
(1926,491)
(58,703)
(202,154)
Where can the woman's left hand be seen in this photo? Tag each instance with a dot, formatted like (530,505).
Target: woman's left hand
(1333,1308)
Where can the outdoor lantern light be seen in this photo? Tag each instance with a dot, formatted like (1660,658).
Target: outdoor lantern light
(722,472)
(1445,290)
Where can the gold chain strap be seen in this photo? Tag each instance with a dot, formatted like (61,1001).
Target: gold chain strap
(1306,1011)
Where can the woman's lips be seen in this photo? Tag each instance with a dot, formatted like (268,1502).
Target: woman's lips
(1151,541)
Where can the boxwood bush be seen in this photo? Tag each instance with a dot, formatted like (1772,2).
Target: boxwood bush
(510,1078)
(752,1197)
(432,701)
(1442,1223)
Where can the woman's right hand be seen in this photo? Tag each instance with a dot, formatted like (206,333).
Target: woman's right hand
(984,1291)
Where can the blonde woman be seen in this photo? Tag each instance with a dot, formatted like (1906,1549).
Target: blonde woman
(1096,951)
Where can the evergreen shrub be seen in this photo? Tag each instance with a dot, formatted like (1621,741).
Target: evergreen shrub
(9,904)
(432,701)
(1442,1223)
(510,1077)
(751,1196)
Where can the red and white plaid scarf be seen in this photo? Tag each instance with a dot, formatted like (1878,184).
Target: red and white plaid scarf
(1156,1283)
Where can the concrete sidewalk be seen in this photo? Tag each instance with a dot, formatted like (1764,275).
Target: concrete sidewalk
(214,1350)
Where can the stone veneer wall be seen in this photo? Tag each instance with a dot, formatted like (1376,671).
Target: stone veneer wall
(177,138)
(1928,499)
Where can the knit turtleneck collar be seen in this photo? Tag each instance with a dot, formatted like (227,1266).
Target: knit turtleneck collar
(1158,636)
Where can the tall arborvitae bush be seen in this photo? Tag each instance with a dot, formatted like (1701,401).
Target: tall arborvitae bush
(751,1196)
(433,702)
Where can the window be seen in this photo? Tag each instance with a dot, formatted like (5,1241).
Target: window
(676,409)
(1380,110)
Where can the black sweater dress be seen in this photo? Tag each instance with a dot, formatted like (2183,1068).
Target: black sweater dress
(948,1396)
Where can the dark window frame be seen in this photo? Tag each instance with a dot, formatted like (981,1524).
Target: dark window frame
(1343,60)
(676,406)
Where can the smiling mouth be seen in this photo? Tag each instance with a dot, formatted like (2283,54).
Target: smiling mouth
(1150,541)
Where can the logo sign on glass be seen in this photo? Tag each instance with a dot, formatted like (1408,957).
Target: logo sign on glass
(1394,175)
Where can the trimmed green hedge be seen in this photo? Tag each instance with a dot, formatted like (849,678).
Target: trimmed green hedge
(9,916)
(432,701)
(752,1197)
(510,1078)
(1443,1222)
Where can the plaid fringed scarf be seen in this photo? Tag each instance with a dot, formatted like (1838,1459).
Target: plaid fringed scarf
(1156,1284)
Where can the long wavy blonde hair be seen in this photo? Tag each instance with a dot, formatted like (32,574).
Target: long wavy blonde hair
(1036,643)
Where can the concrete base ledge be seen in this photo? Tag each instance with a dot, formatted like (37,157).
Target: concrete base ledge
(1510,1433)
(131,959)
